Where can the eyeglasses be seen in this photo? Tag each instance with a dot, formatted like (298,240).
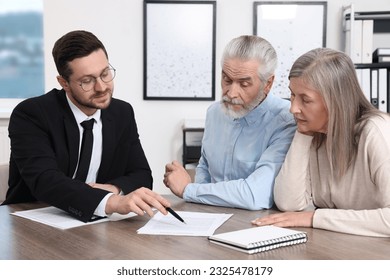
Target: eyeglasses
(89,82)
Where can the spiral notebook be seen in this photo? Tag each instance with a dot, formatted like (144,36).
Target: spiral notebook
(259,239)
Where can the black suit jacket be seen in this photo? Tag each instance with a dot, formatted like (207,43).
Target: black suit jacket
(44,153)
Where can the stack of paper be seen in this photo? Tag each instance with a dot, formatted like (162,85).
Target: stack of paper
(196,224)
(58,218)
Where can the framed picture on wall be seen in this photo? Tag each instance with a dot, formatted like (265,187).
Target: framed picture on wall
(293,28)
(179,50)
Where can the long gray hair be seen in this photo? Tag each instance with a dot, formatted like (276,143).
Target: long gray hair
(333,75)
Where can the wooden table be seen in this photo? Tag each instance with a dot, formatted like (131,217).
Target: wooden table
(21,238)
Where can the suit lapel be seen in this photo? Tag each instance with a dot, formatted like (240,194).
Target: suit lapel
(72,134)
(73,140)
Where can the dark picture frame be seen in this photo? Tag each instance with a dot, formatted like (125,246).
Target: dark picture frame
(293,28)
(179,50)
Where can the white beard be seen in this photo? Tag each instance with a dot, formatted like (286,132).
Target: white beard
(226,104)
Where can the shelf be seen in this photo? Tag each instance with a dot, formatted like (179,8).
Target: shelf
(359,29)
(381,20)
(373,65)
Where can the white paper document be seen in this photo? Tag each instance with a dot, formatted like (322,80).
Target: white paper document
(58,218)
(197,224)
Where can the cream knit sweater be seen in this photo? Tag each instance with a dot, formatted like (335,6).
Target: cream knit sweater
(360,202)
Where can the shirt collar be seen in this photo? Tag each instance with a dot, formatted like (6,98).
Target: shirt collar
(255,115)
(79,115)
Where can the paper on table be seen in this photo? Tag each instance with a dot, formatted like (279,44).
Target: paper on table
(58,218)
(197,224)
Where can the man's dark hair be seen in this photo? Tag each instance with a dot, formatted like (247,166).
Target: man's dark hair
(75,44)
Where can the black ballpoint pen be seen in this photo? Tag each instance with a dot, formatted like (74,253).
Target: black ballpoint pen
(169,209)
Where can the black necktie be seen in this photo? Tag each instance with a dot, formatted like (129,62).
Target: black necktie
(86,150)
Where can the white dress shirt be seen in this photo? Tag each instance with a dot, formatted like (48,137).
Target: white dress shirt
(96,150)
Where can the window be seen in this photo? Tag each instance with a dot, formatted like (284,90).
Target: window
(21,50)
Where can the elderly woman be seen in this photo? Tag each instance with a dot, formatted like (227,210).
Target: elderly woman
(339,159)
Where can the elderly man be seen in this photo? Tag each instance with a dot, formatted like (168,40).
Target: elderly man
(247,134)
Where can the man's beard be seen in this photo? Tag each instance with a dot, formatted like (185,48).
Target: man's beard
(91,104)
(227,103)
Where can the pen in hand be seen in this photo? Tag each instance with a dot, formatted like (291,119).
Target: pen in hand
(169,209)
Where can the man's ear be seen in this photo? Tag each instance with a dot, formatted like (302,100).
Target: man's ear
(268,85)
(64,83)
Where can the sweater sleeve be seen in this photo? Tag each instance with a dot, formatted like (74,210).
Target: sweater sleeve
(373,222)
(292,185)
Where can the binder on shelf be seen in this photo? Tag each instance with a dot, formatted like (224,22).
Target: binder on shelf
(367,40)
(354,38)
(381,59)
(366,83)
(374,87)
(381,55)
(359,75)
(259,239)
(381,52)
(382,89)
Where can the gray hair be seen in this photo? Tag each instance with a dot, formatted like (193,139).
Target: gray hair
(333,75)
(249,47)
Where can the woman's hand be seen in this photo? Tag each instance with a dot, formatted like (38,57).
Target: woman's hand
(286,219)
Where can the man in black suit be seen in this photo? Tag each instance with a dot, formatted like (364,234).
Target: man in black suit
(46,134)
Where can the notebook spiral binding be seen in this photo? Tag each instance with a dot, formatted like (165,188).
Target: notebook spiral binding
(271,244)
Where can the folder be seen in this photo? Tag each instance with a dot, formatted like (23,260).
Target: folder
(381,55)
(367,40)
(354,38)
(382,52)
(382,89)
(366,83)
(374,87)
(359,75)
(381,59)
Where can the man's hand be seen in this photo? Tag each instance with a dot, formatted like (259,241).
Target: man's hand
(287,219)
(139,201)
(176,178)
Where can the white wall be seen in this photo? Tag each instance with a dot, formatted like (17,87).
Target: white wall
(119,24)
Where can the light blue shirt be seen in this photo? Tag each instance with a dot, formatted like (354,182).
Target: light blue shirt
(241,157)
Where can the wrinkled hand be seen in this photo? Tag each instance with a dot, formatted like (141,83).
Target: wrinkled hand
(139,201)
(176,178)
(287,219)
(107,187)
